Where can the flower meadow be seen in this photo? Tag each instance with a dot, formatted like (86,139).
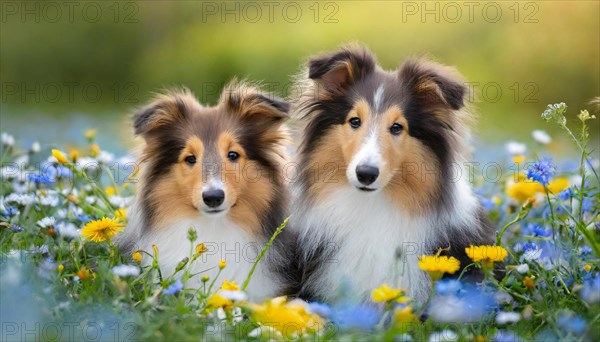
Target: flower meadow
(63,278)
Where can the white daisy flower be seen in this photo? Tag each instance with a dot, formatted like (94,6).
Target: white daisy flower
(514,148)
(120,202)
(105,157)
(90,199)
(541,136)
(49,200)
(35,147)
(444,335)
(21,199)
(236,296)
(126,271)
(46,222)
(523,268)
(67,229)
(87,163)
(507,317)
(7,139)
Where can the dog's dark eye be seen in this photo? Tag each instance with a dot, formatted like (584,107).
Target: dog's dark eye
(354,123)
(191,160)
(233,156)
(396,129)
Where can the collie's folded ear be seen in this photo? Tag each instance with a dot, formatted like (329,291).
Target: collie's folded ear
(433,84)
(335,72)
(167,108)
(251,105)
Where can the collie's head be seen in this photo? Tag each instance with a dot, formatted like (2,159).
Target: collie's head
(213,161)
(394,133)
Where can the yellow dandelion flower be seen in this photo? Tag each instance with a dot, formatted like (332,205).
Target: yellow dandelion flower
(288,318)
(83,273)
(60,268)
(110,190)
(137,257)
(558,184)
(218,301)
(405,315)
(230,286)
(121,214)
(101,230)
(486,253)
(437,265)
(385,293)
(222,264)
(60,157)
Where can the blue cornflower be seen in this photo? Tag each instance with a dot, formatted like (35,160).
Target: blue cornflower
(566,194)
(541,171)
(40,179)
(10,211)
(447,287)
(16,228)
(536,229)
(571,323)
(174,288)
(320,309)
(587,204)
(529,246)
(585,250)
(356,316)
(469,304)
(84,218)
(590,292)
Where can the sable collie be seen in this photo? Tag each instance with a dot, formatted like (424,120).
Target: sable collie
(380,178)
(214,169)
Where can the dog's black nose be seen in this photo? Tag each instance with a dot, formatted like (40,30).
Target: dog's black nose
(213,198)
(366,174)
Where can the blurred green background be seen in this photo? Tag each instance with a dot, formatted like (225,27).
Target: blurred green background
(66,66)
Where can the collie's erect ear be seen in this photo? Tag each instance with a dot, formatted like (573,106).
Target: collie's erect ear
(335,72)
(166,109)
(433,84)
(254,107)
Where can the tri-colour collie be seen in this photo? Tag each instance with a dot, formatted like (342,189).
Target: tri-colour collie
(217,170)
(380,179)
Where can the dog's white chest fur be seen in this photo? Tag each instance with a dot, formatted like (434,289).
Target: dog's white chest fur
(224,240)
(372,243)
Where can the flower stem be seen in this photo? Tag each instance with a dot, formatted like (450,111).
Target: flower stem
(264,251)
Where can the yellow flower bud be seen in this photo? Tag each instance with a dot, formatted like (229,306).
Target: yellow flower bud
(60,157)
(587,267)
(90,134)
(201,248)
(222,264)
(94,150)
(137,257)
(60,268)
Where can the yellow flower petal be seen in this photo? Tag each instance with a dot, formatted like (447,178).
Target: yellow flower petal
(558,184)
(384,293)
(486,253)
(101,230)
(437,265)
(230,286)
(60,157)
(218,301)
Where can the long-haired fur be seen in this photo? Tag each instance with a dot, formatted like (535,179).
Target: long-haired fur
(217,170)
(407,132)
